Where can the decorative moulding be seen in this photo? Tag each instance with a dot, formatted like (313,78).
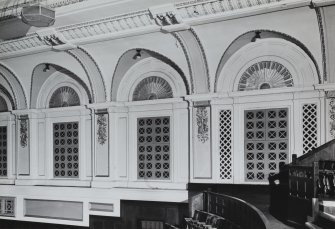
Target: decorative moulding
(169,17)
(23,119)
(54,39)
(102,128)
(202,124)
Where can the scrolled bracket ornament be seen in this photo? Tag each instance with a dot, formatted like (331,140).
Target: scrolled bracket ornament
(102,128)
(202,123)
(24,132)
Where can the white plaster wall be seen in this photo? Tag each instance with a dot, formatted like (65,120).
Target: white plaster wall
(108,53)
(300,23)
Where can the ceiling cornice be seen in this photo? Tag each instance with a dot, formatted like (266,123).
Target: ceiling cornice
(169,17)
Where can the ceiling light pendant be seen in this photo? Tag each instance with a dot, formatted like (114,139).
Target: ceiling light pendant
(257,36)
(46,68)
(38,15)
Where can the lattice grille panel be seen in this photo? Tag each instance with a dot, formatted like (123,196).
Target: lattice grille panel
(153,148)
(265,142)
(7,206)
(226,145)
(66,149)
(310,127)
(3,151)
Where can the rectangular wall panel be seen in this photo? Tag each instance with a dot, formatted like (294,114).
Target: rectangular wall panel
(102,207)
(23,146)
(54,209)
(88,147)
(122,147)
(41,149)
(202,157)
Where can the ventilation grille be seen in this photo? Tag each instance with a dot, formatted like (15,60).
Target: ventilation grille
(64,97)
(225,145)
(310,127)
(153,147)
(152,88)
(7,206)
(265,75)
(3,151)
(66,150)
(266,143)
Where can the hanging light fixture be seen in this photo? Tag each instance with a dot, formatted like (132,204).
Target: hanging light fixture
(38,14)
(256,36)
(138,54)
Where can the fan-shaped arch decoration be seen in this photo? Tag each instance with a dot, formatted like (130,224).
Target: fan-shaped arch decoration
(265,75)
(64,97)
(3,105)
(151,88)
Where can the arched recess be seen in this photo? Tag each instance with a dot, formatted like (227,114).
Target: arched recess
(45,82)
(6,101)
(298,63)
(145,68)
(13,88)
(246,39)
(93,73)
(196,59)
(158,63)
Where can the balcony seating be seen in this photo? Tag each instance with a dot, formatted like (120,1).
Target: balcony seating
(214,210)
(205,220)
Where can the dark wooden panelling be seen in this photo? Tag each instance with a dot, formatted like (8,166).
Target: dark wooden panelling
(134,211)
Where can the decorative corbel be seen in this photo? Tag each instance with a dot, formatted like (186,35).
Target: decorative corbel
(54,39)
(168,17)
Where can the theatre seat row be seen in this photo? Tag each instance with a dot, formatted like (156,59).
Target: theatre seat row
(205,220)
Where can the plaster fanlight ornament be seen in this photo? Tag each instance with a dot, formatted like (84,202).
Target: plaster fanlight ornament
(64,97)
(265,75)
(151,88)
(38,15)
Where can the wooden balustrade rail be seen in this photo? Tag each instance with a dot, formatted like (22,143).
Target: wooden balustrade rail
(235,210)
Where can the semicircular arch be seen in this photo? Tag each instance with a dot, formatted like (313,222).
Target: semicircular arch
(43,82)
(292,57)
(13,87)
(127,61)
(149,67)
